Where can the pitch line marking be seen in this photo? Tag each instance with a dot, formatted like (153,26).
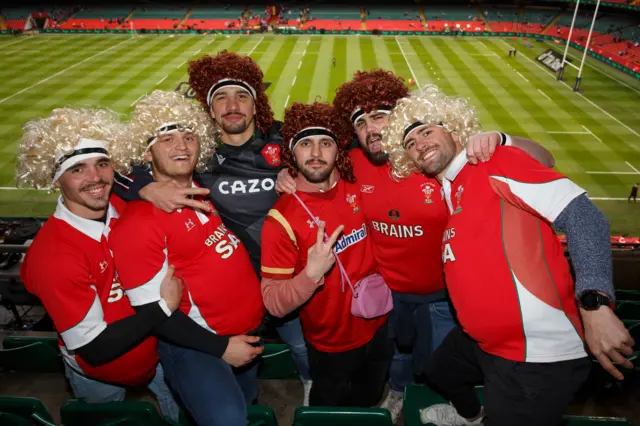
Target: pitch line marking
(254,47)
(544,94)
(578,93)
(634,169)
(196,52)
(180,66)
(568,133)
(611,173)
(522,76)
(13,188)
(136,101)
(294,80)
(286,102)
(15,42)
(161,80)
(592,134)
(63,71)
(407,61)
(607,199)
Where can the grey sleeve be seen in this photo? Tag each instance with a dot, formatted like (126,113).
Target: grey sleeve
(588,236)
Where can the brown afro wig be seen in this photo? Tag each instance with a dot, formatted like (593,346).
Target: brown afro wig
(369,90)
(300,116)
(208,70)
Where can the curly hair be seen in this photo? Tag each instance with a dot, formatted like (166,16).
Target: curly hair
(429,106)
(58,134)
(317,114)
(369,90)
(208,70)
(160,108)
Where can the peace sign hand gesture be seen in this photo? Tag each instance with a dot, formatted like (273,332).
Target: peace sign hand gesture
(320,256)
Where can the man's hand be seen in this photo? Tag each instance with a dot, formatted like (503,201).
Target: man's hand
(321,257)
(285,183)
(481,147)
(169,196)
(608,339)
(240,352)
(171,289)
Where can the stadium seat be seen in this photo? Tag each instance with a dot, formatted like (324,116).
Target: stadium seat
(261,415)
(36,357)
(79,413)
(628,310)
(277,363)
(630,295)
(417,397)
(13,342)
(23,411)
(332,416)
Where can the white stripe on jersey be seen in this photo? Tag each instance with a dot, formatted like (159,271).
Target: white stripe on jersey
(194,314)
(149,292)
(549,335)
(86,330)
(549,199)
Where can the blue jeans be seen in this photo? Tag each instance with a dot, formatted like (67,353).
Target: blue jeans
(442,322)
(214,393)
(93,391)
(291,333)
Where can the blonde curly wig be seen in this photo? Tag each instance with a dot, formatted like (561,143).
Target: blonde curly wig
(428,106)
(160,108)
(45,139)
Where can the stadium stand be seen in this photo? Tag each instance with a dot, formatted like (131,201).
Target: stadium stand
(15,19)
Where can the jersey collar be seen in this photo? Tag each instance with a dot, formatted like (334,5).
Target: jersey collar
(456,165)
(91,228)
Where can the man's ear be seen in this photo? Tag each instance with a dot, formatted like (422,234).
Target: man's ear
(147,156)
(456,137)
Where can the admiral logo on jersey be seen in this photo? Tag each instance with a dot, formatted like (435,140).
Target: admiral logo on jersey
(354,237)
(246,186)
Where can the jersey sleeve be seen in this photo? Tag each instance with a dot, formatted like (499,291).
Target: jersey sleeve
(279,247)
(68,294)
(525,183)
(139,250)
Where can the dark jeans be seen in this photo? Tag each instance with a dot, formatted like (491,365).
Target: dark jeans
(214,393)
(516,393)
(354,378)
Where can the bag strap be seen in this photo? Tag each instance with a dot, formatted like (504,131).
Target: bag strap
(343,273)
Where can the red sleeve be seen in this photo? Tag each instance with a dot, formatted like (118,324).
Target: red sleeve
(139,250)
(279,247)
(67,293)
(525,183)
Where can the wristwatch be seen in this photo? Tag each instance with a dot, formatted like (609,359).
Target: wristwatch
(591,300)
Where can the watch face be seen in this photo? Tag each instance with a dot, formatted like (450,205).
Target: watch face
(590,300)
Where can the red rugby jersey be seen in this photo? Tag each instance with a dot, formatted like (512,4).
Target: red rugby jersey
(70,268)
(221,289)
(407,218)
(505,267)
(287,235)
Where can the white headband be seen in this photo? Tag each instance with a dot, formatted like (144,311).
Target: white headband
(166,129)
(86,148)
(230,82)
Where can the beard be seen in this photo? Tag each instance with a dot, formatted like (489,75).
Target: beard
(378,158)
(236,128)
(316,176)
(439,161)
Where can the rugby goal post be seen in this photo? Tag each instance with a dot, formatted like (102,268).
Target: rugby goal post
(576,85)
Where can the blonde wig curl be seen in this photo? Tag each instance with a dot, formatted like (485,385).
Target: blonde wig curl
(160,108)
(45,138)
(429,106)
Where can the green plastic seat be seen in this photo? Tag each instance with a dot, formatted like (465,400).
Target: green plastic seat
(628,310)
(35,357)
(23,411)
(595,421)
(341,416)
(261,415)
(12,342)
(631,295)
(126,413)
(417,397)
(277,363)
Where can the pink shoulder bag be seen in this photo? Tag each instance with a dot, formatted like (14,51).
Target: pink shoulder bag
(371,297)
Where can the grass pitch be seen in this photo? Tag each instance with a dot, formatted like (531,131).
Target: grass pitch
(594,135)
